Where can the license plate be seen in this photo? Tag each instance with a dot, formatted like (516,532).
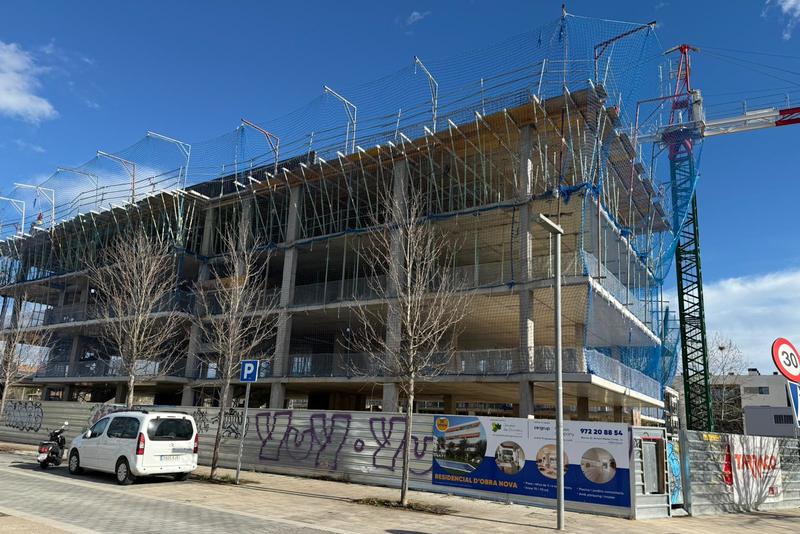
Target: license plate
(171,458)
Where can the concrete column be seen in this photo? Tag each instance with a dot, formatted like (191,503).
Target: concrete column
(74,356)
(391,397)
(45,392)
(393,319)
(579,344)
(636,417)
(187,396)
(526,274)
(280,362)
(66,392)
(84,302)
(449,404)
(583,408)
(277,396)
(619,414)
(120,394)
(195,333)
(525,398)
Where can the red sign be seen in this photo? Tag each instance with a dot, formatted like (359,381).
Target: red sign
(786,359)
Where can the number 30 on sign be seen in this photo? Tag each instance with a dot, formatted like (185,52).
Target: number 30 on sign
(786,359)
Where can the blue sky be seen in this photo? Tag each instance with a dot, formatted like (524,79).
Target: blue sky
(77,77)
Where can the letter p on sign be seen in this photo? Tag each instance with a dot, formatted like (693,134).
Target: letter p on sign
(249,372)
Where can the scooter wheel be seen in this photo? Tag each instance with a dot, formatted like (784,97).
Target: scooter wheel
(44,465)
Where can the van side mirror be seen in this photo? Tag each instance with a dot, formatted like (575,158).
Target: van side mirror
(87,434)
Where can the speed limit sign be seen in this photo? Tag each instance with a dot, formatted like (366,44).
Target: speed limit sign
(786,359)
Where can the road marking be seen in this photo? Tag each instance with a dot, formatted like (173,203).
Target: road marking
(45,521)
(55,478)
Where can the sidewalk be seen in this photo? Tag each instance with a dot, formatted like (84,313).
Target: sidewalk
(330,504)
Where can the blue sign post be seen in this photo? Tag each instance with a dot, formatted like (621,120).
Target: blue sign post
(247,374)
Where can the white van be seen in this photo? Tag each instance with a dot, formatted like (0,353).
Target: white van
(137,443)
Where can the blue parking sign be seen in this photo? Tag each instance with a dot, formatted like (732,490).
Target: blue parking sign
(249,371)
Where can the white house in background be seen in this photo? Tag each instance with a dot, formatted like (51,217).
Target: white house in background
(760,403)
(765,405)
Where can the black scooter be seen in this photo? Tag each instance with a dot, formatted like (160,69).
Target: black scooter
(51,451)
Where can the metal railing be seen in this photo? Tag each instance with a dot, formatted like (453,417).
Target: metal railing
(180,301)
(108,368)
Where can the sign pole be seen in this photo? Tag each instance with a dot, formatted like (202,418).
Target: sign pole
(244,431)
(248,374)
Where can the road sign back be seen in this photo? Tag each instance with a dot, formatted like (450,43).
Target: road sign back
(794,400)
(249,371)
(786,359)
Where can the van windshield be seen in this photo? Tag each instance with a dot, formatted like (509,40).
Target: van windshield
(170,430)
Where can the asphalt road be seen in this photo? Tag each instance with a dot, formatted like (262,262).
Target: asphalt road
(95,503)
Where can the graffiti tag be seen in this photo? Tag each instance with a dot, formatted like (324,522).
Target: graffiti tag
(323,436)
(25,416)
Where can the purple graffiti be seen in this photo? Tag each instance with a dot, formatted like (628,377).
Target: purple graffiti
(326,435)
(383,437)
(298,437)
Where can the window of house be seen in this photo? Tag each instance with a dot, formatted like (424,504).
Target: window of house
(753,390)
(781,419)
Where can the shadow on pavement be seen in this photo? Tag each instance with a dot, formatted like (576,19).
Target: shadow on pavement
(95,477)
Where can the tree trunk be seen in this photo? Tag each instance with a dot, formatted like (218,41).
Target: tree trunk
(6,387)
(223,400)
(407,446)
(129,396)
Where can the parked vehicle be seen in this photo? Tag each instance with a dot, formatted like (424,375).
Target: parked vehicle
(137,443)
(52,451)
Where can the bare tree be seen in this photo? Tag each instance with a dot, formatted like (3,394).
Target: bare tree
(24,348)
(726,365)
(409,263)
(137,304)
(235,315)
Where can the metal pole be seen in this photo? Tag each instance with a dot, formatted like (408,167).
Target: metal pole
(559,389)
(556,231)
(244,431)
(128,165)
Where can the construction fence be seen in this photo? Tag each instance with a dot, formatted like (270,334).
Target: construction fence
(734,473)
(606,472)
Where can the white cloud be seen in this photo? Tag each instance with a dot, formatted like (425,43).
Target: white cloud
(754,310)
(19,79)
(24,145)
(416,16)
(790,9)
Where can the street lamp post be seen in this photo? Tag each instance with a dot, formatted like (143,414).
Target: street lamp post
(556,231)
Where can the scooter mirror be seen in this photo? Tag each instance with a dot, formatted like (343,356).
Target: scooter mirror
(66,423)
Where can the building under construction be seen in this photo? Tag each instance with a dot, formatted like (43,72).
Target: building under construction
(536,125)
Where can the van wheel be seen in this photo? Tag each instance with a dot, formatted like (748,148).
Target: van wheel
(75,463)
(180,477)
(123,472)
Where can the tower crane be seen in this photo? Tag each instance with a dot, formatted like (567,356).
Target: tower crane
(680,137)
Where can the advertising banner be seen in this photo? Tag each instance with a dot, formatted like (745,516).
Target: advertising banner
(752,468)
(511,455)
